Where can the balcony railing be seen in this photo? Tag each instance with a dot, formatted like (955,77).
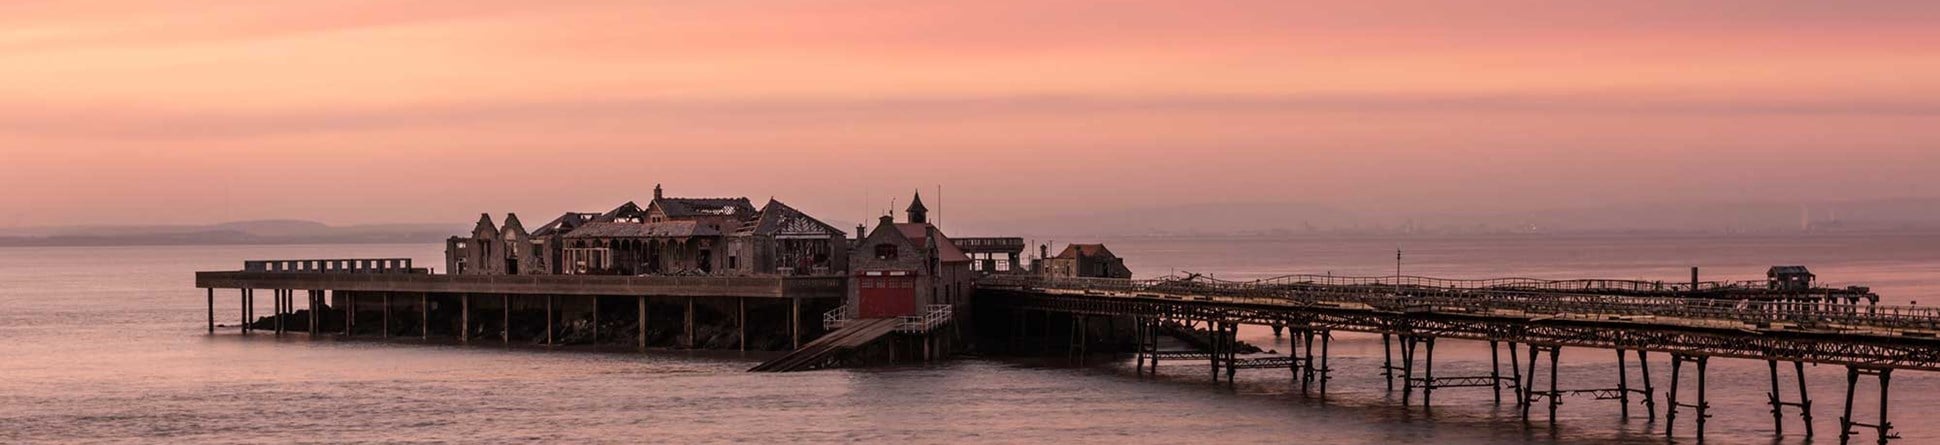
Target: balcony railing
(342,265)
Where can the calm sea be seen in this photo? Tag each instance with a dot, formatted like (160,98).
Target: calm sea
(106,345)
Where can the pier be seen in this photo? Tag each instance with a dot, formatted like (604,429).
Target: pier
(1412,314)
(724,274)
(360,295)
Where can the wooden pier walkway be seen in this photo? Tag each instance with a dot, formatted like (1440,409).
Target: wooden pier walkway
(827,350)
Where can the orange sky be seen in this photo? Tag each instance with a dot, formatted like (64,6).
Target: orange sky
(356,111)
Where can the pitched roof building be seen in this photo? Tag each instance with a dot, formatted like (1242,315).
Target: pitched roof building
(670,236)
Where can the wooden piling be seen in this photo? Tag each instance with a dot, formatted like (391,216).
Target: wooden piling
(741,321)
(794,323)
(465,318)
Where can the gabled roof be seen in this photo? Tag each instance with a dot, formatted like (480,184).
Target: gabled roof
(484,225)
(624,211)
(663,229)
(565,223)
(512,225)
(1787,270)
(777,219)
(918,233)
(1073,251)
(693,207)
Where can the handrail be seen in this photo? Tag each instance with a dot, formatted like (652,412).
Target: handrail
(1597,284)
(340,265)
(1848,317)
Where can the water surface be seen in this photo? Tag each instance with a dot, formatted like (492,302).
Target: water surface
(106,345)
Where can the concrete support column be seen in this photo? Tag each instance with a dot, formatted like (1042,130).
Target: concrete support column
(794,323)
(212,310)
(690,323)
(505,323)
(350,314)
(641,304)
(596,320)
(424,316)
(387,315)
(244,310)
(549,317)
(465,318)
(741,321)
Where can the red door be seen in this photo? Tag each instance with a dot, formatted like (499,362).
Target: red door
(888,297)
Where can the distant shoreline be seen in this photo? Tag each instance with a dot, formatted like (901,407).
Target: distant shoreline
(241,239)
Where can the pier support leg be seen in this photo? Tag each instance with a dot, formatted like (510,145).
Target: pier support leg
(387,315)
(1138,345)
(1884,427)
(316,315)
(1307,361)
(1326,338)
(242,310)
(1153,334)
(1214,329)
(1703,405)
(1495,372)
(1428,375)
(641,305)
(1529,393)
(1623,386)
(596,320)
(424,316)
(1408,343)
(350,313)
(465,318)
(549,318)
(1387,359)
(1805,400)
(505,319)
(1555,397)
(741,321)
(1778,402)
(690,323)
(1231,336)
(1650,393)
(1515,375)
(276,308)
(1670,410)
(1778,414)
(794,323)
(212,310)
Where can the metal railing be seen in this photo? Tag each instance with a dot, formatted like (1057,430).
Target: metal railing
(1496,300)
(1590,285)
(937,315)
(837,318)
(340,265)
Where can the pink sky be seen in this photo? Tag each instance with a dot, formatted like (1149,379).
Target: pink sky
(136,112)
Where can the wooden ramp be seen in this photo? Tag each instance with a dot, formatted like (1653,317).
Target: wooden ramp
(823,351)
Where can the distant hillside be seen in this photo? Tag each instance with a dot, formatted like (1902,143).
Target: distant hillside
(241,232)
(1225,219)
